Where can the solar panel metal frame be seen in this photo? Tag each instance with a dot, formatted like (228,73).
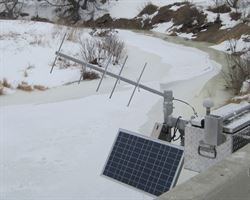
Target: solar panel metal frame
(178,169)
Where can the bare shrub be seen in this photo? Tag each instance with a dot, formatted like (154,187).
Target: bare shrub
(244,6)
(218,8)
(90,50)
(10,9)
(148,8)
(235,16)
(114,47)
(238,69)
(72,10)
(90,75)
(97,50)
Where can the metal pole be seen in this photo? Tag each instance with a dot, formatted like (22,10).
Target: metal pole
(58,51)
(168,110)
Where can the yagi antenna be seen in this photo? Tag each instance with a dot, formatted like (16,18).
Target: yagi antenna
(169,120)
(58,51)
(121,78)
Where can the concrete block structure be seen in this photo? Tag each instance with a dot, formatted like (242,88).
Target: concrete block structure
(229,179)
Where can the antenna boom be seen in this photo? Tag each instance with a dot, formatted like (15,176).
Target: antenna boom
(59,54)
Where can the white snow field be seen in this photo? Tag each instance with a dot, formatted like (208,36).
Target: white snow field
(54,144)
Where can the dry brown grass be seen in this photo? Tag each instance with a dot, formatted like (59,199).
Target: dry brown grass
(40,87)
(38,40)
(1,88)
(6,84)
(215,35)
(25,87)
(73,34)
(57,30)
(1,91)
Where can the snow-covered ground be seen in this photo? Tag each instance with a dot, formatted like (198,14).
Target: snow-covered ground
(57,147)
(53,144)
(27,52)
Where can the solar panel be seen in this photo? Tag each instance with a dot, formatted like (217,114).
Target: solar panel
(144,163)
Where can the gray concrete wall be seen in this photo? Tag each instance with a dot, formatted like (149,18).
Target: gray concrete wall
(227,180)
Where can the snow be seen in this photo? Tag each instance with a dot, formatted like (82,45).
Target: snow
(58,150)
(225,18)
(33,46)
(131,8)
(175,8)
(193,62)
(55,147)
(227,22)
(240,44)
(187,35)
(163,27)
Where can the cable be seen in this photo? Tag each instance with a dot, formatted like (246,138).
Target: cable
(195,113)
(176,129)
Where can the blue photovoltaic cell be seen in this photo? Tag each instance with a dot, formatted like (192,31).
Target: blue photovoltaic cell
(144,163)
